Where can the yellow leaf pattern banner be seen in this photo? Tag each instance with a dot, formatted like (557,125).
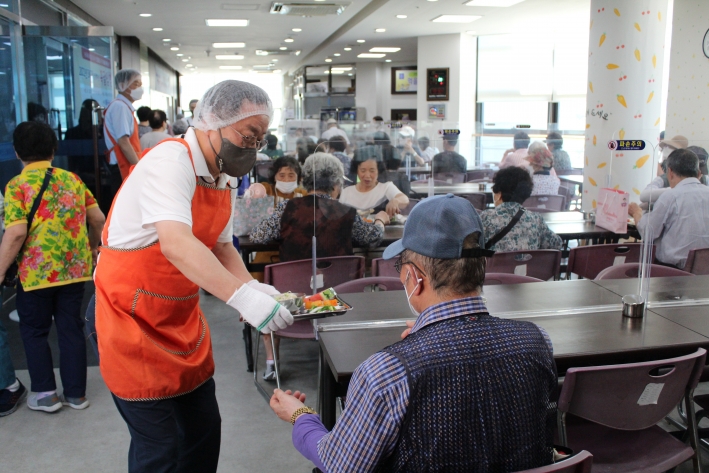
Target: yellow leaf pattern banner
(602,165)
(641,161)
(621,133)
(600,41)
(654,61)
(637,27)
(637,54)
(592,181)
(594,140)
(649,97)
(590,86)
(621,100)
(612,66)
(615,10)
(636,191)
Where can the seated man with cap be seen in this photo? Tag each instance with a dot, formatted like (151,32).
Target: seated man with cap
(448,397)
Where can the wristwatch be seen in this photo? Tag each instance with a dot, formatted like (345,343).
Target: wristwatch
(299,411)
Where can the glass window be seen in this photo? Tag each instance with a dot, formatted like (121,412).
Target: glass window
(9,165)
(509,115)
(572,114)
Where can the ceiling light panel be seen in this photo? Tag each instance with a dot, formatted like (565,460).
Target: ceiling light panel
(371,56)
(380,30)
(401,17)
(157,29)
(146,15)
(456,18)
(226,22)
(493,3)
(229,57)
(384,50)
(228,45)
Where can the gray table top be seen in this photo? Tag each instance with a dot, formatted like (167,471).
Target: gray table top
(462,188)
(674,289)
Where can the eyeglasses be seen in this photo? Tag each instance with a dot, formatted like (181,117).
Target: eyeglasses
(400,262)
(251,141)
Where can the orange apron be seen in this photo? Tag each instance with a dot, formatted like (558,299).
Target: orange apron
(153,339)
(123,163)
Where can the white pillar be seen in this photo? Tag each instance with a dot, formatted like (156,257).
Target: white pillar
(623,101)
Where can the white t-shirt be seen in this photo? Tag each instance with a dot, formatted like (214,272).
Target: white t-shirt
(382,192)
(161,188)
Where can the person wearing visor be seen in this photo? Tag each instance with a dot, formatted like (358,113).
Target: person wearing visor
(435,397)
(120,126)
(661,183)
(169,232)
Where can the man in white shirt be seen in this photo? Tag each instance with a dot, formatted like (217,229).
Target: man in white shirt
(158,125)
(333,130)
(679,221)
(193,105)
(515,156)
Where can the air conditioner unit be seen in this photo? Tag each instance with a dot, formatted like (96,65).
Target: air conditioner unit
(307,9)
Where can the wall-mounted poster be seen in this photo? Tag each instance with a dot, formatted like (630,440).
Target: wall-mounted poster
(404,80)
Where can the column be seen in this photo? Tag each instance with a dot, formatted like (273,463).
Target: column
(623,101)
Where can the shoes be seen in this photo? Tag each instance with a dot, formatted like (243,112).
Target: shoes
(75,402)
(9,401)
(270,373)
(46,404)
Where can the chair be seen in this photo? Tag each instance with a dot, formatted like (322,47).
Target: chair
(384,268)
(571,172)
(698,261)
(373,284)
(579,463)
(450,177)
(540,264)
(546,201)
(613,410)
(412,203)
(588,261)
(496,279)
(262,171)
(569,192)
(631,270)
(479,175)
(478,199)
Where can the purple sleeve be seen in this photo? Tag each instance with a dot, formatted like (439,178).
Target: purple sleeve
(307,432)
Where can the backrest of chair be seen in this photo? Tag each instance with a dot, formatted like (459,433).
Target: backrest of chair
(295,276)
(568,191)
(540,264)
(450,177)
(373,284)
(579,463)
(588,261)
(698,261)
(631,270)
(478,174)
(384,268)
(496,279)
(546,201)
(630,396)
(478,199)
(570,172)
(412,203)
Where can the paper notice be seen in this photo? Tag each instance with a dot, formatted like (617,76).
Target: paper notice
(521,270)
(318,282)
(650,394)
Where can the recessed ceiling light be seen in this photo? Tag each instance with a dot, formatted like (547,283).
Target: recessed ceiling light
(337,54)
(179,54)
(387,60)
(432,0)
(296,30)
(231,67)
(493,3)
(349,75)
(157,29)
(360,41)
(146,15)
(222,22)
(288,40)
(189,65)
(401,17)
(229,57)
(166,39)
(174,48)
(348,49)
(283,48)
(456,18)
(384,50)
(185,60)
(380,30)
(297,53)
(328,60)
(274,60)
(228,45)
(371,56)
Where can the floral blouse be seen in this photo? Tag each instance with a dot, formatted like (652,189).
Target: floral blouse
(530,232)
(545,184)
(363,233)
(57,248)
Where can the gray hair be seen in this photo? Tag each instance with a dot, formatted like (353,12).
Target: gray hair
(323,172)
(535,147)
(180,127)
(683,162)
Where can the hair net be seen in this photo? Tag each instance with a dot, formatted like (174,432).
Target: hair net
(229,102)
(125,77)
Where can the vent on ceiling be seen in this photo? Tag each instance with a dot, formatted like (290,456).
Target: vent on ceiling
(307,9)
(272,52)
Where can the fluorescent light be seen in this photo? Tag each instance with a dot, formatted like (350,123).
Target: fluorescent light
(456,18)
(179,54)
(493,3)
(360,41)
(228,45)
(223,22)
(92,49)
(342,68)
(189,65)
(384,50)
(53,58)
(328,60)
(283,48)
(380,30)
(348,49)
(146,15)
(229,57)
(288,40)
(387,60)
(185,60)
(337,72)
(401,17)
(274,60)
(231,67)
(296,30)
(157,29)
(337,54)
(297,53)
(371,56)
(166,39)
(174,48)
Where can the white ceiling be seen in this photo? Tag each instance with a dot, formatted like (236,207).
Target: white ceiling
(183,22)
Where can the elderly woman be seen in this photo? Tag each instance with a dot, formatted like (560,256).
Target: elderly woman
(562,162)
(369,193)
(541,160)
(512,186)
(284,183)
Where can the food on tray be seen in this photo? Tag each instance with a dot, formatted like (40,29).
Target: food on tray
(291,301)
(325,301)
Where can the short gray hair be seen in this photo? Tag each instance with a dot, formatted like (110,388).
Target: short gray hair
(180,127)
(684,163)
(323,172)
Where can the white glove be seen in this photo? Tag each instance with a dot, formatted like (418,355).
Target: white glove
(265,288)
(260,310)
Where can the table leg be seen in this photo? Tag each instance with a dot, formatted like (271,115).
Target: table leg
(328,393)
(248,345)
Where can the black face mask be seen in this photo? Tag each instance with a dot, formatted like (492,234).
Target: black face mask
(234,160)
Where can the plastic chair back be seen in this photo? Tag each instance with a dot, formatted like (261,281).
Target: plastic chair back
(479,200)
(546,201)
(384,268)
(698,261)
(373,284)
(631,270)
(568,191)
(496,279)
(450,177)
(588,261)
(579,463)
(540,264)
(295,276)
(412,203)
(631,396)
(479,174)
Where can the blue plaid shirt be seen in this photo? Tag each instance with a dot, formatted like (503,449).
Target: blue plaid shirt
(377,398)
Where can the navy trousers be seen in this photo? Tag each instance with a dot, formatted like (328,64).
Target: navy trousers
(178,435)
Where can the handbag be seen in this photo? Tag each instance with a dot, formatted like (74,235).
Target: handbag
(11,273)
(612,210)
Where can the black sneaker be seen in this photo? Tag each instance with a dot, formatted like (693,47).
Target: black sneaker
(9,401)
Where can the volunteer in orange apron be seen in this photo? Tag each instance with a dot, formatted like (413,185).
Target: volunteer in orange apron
(169,232)
(120,126)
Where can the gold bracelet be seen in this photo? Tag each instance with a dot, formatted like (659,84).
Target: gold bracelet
(299,411)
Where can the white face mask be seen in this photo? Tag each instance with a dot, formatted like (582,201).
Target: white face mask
(408,297)
(666,152)
(286,187)
(136,94)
